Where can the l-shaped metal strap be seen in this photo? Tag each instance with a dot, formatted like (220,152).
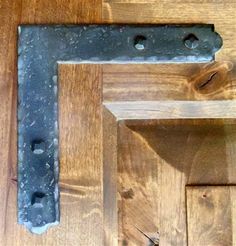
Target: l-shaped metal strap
(40,49)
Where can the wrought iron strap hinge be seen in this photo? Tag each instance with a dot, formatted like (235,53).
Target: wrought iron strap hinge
(40,49)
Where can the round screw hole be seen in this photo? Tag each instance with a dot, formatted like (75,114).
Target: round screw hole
(38,147)
(140,42)
(191,41)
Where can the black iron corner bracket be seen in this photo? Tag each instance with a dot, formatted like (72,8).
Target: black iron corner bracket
(40,49)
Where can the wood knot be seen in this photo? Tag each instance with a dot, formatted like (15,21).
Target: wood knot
(128,194)
(211,79)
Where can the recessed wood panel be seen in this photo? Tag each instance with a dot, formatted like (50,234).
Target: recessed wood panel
(156,160)
(204,150)
(211,215)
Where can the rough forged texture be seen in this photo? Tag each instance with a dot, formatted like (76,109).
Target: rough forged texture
(40,49)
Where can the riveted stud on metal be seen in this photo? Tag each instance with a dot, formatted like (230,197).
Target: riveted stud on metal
(191,41)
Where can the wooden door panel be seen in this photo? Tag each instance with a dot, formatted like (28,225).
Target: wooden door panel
(146,167)
(156,160)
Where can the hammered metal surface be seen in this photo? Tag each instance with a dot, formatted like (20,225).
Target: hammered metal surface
(40,49)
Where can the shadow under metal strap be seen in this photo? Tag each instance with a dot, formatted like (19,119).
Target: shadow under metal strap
(40,49)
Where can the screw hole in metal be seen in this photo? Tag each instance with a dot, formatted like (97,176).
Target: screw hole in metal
(191,41)
(140,42)
(38,147)
(37,198)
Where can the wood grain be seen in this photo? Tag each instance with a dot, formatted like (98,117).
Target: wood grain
(60,11)
(157,159)
(210,211)
(169,81)
(81,152)
(214,81)
(8,109)
(151,194)
(110,178)
(204,150)
(144,110)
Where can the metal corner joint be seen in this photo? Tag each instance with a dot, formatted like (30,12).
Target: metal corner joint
(40,49)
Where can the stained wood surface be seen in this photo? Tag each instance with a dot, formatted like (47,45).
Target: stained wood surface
(144,110)
(161,82)
(158,159)
(201,149)
(211,215)
(152,194)
(123,183)
(80,128)
(110,191)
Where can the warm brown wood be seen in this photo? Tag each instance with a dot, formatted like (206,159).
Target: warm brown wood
(80,98)
(144,110)
(7,112)
(157,159)
(59,11)
(168,82)
(211,212)
(152,194)
(204,150)
(110,178)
